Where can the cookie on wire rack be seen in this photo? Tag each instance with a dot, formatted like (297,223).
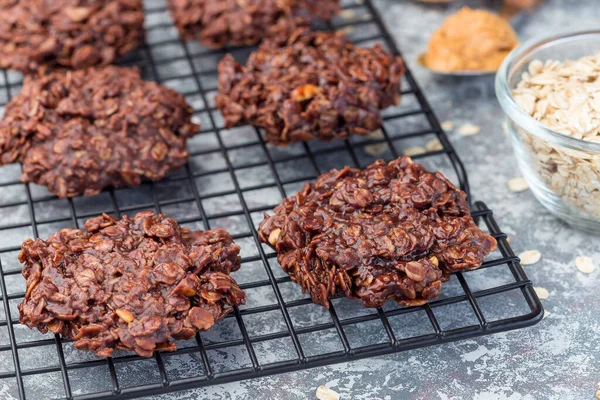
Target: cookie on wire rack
(133,284)
(218,23)
(81,131)
(393,231)
(41,35)
(312,85)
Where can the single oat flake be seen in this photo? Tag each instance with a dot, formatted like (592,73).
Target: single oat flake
(546,314)
(414,151)
(518,185)
(434,145)
(447,125)
(323,393)
(541,292)
(469,130)
(585,264)
(530,257)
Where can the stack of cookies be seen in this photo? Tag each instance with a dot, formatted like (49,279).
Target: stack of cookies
(393,231)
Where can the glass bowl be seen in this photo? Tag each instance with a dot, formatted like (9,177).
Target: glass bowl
(563,172)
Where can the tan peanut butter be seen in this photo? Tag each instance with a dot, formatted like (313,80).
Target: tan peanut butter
(470,40)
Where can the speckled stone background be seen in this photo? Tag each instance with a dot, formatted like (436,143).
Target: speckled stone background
(556,359)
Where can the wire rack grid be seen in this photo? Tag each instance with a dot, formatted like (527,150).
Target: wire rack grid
(232,178)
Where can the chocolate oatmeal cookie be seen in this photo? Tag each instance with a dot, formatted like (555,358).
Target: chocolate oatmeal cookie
(389,232)
(73,34)
(312,85)
(216,23)
(135,283)
(83,131)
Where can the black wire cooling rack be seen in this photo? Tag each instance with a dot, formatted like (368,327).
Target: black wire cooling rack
(232,178)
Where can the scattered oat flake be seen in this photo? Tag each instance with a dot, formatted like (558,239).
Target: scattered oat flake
(530,257)
(323,393)
(541,292)
(413,151)
(518,185)
(447,125)
(598,394)
(434,145)
(468,130)
(585,264)
(508,239)
(375,149)
(546,314)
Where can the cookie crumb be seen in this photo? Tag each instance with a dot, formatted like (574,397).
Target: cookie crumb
(585,264)
(518,185)
(323,393)
(530,257)
(542,293)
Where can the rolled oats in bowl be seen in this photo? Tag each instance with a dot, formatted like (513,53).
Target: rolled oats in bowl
(550,91)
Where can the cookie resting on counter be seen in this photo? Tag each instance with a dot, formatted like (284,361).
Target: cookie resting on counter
(217,23)
(37,35)
(134,284)
(79,132)
(313,85)
(393,231)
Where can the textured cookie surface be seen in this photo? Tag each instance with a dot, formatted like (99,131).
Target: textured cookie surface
(216,23)
(311,85)
(389,232)
(73,34)
(82,131)
(135,283)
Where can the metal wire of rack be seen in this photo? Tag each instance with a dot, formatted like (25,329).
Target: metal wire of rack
(233,177)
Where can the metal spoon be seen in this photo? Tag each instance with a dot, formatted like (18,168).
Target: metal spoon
(510,13)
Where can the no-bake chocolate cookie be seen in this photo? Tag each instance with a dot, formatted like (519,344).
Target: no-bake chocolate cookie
(135,283)
(216,23)
(393,231)
(83,131)
(42,34)
(312,85)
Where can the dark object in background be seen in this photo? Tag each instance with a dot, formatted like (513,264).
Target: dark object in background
(312,85)
(40,35)
(82,131)
(133,284)
(217,23)
(389,232)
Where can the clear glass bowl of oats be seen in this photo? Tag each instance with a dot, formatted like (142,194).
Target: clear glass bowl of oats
(550,91)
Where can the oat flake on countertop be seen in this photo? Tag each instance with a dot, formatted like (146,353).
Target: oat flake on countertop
(468,130)
(585,264)
(518,185)
(323,393)
(530,257)
(542,293)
